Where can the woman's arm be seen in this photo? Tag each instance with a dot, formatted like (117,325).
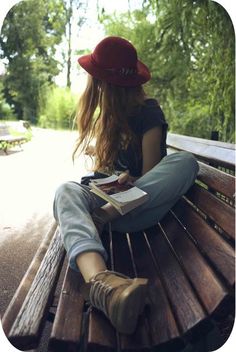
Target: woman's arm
(151,153)
(151,148)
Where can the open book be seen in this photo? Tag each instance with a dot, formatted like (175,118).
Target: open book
(124,197)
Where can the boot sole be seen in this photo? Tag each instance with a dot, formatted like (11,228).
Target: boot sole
(129,306)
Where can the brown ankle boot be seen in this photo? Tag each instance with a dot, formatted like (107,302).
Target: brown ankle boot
(121,299)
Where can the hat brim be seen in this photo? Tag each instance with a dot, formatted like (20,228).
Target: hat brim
(142,76)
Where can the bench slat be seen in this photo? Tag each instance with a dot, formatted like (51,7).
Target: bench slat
(212,245)
(121,244)
(188,311)
(66,331)
(217,180)
(208,287)
(180,137)
(221,213)
(161,322)
(26,329)
(101,333)
(19,296)
(11,139)
(220,153)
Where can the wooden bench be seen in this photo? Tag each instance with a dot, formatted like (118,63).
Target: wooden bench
(188,258)
(7,140)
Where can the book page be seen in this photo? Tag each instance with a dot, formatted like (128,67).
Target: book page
(113,187)
(102,181)
(128,195)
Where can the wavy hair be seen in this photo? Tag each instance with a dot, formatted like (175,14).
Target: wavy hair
(102,115)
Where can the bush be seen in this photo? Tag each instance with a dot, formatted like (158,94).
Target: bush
(57,108)
(6,112)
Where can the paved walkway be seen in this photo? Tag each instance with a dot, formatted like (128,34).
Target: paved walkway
(28,179)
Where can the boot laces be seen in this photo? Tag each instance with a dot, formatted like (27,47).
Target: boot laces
(99,292)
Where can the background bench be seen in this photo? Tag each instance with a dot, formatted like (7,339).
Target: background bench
(188,258)
(7,140)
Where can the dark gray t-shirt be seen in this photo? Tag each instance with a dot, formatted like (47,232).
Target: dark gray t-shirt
(147,117)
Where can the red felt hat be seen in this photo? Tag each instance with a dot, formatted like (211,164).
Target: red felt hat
(115,61)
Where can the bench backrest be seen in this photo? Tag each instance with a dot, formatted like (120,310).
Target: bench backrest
(214,152)
(4,130)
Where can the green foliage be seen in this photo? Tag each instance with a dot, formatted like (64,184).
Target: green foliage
(57,108)
(30,34)
(189,48)
(6,112)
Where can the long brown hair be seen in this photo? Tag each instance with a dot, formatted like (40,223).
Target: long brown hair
(102,114)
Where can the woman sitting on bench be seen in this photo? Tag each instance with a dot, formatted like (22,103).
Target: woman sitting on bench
(130,132)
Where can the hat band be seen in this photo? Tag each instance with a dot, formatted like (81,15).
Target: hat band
(122,71)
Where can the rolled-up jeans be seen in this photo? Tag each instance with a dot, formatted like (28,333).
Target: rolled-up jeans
(74,203)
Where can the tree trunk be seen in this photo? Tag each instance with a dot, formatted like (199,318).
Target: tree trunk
(68,84)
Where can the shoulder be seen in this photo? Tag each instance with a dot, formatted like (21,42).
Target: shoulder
(152,115)
(150,106)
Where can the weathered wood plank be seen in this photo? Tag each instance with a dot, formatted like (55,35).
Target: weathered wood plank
(211,244)
(26,329)
(20,294)
(162,325)
(67,326)
(217,180)
(209,289)
(188,311)
(101,334)
(221,213)
(220,153)
(139,340)
(214,143)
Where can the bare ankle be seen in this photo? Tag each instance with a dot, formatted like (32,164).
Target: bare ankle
(89,264)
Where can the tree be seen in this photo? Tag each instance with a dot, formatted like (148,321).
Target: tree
(5,109)
(73,6)
(30,34)
(192,63)
(57,110)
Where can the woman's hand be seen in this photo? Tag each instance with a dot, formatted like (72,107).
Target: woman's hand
(126,178)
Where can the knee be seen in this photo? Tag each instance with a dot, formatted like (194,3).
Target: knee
(67,192)
(64,189)
(64,195)
(188,163)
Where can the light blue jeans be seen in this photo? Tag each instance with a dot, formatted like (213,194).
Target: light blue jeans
(74,203)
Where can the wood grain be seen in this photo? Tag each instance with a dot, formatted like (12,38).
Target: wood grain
(209,289)
(67,326)
(27,326)
(188,310)
(101,334)
(221,213)
(20,294)
(217,180)
(219,252)
(163,328)
(127,264)
(219,153)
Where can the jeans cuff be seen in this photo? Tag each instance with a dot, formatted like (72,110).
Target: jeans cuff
(82,247)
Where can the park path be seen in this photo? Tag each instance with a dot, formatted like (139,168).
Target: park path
(28,179)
